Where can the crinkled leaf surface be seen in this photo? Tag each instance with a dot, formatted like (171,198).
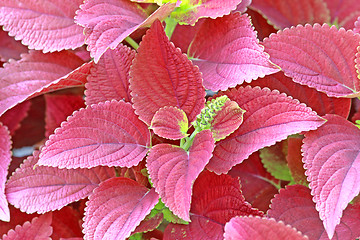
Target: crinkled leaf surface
(357,26)
(284,14)
(41,189)
(108,22)
(170,122)
(162,76)
(41,25)
(231,54)
(5,159)
(10,48)
(106,134)
(331,157)
(216,199)
(242,7)
(294,206)
(343,12)
(109,78)
(270,117)
(322,57)
(116,207)
(173,171)
(243,228)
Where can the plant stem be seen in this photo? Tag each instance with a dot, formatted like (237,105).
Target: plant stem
(189,140)
(132,43)
(170,26)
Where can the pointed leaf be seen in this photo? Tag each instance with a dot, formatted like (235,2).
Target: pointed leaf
(42,26)
(231,54)
(170,122)
(322,57)
(343,12)
(173,171)
(162,76)
(42,189)
(331,157)
(116,207)
(5,159)
(10,48)
(109,78)
(243,228)
(270,117)
(107,23)
(106,134)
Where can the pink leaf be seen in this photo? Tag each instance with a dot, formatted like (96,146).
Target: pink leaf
(106,134)
(162,76)
(270,117)
(116,207)
(331,159)
(42,26)
(9,48)
(243,228)
(291,13)
(242,7)
(41,189)
(173,171)
(343,12)
(357,26)
(295,207)
(109,78)
(38,229)
(231,54)
(170,122)
(5,159)
(322,57)
(21,79)
(108,22)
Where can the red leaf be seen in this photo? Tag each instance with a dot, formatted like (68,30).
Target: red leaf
(149,223)
(173,171)
(42,26)
(270,117)
(5,159)
(331,159)
(294,160)
(261,25)
(294,206)
(12,118)
(41,189)
(291,13)
(322,57)
(108,22)
(38,229)
(231,54)
(184,34)
(66,223)
(116,207)
(9,48)
(344,12)
(243,228)
(162,76)
(170,122)
(106,134)
(109,78)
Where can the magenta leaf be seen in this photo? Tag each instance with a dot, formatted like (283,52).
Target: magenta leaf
(5,159)
(231,54)
(173,171)
(162,76)
(109,78)
(43,26)
(116,207)
(343,12)
(10,48)
(105,134)
(38,229)
(332,163)
(243,228)
(270,117)
(41,189)
(322,57)
(170,122)
(108,22)
(294,206)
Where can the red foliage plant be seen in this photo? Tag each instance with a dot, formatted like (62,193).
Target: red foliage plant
(149,119)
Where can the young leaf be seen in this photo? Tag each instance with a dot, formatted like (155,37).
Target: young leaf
(243,228)
(106,134)
(173,171)
(231,54)
(42,189)
(5,159)
(270,117)
(116,207)
(42,26)
(162,76)
(332,163)
(322,57)
(109,78)
(170,122)
(343,12)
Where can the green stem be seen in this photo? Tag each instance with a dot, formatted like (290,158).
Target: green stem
(132,43)
(170,26)
(189,141)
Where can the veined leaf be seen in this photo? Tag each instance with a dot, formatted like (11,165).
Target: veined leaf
(343,12)
(5,159)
